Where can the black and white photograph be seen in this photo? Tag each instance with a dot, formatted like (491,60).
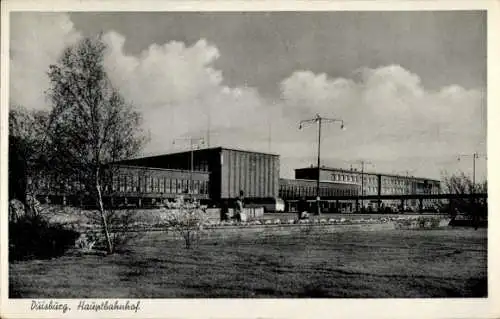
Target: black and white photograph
(249,154)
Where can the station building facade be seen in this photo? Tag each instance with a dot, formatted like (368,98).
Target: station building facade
(218,175)
(231,171)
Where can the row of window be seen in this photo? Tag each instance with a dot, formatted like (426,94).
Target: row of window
(396,182)
(371,190)
(132,183)
(293,191)
(353,178)
(394,190)
(150,184)
(401,182)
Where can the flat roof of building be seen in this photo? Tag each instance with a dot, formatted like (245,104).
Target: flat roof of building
(315,181)
(160,169)
(200,150)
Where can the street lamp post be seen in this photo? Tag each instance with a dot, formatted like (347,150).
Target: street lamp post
(319,120)
(363,181)
(407,186)
(192,141)
(474,157)
(473,190)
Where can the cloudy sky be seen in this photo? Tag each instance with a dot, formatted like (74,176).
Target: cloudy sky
(410,86)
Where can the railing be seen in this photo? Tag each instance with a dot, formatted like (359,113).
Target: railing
(396,197)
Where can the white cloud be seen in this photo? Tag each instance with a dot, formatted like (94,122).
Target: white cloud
(391,118)
(176,87)
(37,40)
(390,115)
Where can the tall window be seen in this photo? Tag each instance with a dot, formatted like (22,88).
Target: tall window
(142,183)
(128,183)
(135,183)
(174,186)
(161,181)
(179,186)
(122,182)
(196,187)
(149,185)
(156,185)
(114,183)
(168,188)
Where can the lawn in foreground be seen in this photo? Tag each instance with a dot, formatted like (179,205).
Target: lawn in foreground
(375,264)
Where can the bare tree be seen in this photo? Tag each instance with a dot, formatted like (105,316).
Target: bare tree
(91,125)
(469,204)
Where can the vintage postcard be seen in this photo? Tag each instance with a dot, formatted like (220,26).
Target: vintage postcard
(249,159)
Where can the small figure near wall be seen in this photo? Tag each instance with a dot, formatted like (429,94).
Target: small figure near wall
(303,209)
(239,206)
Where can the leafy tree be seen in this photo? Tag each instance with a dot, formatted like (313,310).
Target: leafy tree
(27,150)
(91,124)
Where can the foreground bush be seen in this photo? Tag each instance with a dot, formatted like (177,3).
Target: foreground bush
(187,221)
(122,229)
(418,223)
(32,237)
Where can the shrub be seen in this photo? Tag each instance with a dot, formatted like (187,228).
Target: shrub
(418,223)
(32,237)
(187,221)
(16,210)
(86,242)
(123,229)
(122,226)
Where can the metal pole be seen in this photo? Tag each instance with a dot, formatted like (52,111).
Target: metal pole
(474,156)
(191,172)
(362,182)
(191,169)
(319,169)
(318,119)
(269,137)
(407,186)
(208,127)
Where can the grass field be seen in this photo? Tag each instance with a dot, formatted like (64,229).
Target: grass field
(370,264)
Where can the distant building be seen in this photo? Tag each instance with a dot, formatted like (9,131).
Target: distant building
(373,183)
(291,190)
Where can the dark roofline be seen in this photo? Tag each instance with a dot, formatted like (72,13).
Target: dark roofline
(244,151)
(197,150)
(332,169)
(158,168)
(321,181)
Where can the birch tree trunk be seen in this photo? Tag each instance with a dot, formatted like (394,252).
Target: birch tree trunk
(109,244)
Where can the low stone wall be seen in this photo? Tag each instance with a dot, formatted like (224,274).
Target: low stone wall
(256,223)
(264,230)
(248,214)
(422,223)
